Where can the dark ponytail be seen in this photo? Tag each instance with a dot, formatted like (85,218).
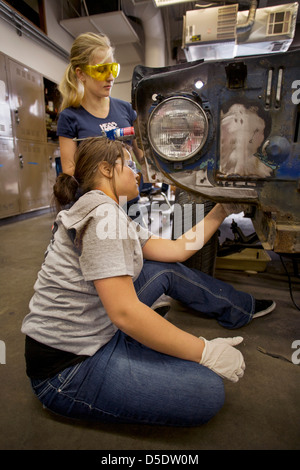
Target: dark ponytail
(88,155)
(65,191)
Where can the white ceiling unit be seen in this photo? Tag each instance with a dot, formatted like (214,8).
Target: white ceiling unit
(273,30)
(214,33)
(210,33)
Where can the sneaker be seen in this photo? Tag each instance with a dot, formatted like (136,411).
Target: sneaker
(162,305)
(263,307)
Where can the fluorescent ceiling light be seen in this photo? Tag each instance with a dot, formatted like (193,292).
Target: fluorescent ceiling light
(164,3)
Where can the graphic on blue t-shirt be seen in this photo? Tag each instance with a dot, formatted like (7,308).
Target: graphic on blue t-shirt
(108,126)
(79,123)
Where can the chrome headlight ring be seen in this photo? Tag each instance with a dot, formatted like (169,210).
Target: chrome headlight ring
(177,128)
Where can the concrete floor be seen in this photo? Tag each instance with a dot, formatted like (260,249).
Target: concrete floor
(261,411)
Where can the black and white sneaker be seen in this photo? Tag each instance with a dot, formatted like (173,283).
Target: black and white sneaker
(263,307)
(162,305)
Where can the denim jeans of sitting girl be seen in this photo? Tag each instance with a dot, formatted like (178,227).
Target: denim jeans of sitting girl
(126,382)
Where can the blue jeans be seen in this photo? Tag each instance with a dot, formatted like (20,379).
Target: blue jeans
(126,382)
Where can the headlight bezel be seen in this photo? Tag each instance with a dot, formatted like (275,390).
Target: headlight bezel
(202,116)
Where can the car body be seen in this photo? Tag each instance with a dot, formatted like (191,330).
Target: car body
(227,131)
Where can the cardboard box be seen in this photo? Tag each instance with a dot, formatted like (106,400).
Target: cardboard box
(250,259)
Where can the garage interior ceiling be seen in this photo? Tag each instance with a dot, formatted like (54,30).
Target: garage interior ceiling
(116,22)
(121,21)
(116,26)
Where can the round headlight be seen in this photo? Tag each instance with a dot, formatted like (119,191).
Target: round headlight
(177,128)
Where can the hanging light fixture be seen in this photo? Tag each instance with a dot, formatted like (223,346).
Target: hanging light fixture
(164,3)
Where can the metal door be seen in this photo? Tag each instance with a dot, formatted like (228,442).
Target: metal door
(33,177)
(26,102)
(9,189)
(5,116)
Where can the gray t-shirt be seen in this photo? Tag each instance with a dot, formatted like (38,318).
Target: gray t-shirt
(95,239)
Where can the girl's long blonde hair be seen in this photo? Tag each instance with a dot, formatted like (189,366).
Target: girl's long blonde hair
(82,50)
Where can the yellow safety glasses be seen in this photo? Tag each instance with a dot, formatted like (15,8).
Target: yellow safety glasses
(102,71)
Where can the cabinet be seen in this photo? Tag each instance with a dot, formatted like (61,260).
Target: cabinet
(5,116)
(27,151)
(33,181)
(26,102)
(9,188)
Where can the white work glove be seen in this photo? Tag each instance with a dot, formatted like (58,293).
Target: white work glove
(220,356)
(233,208)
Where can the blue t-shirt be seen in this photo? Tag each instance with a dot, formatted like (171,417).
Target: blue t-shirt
(79,123)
